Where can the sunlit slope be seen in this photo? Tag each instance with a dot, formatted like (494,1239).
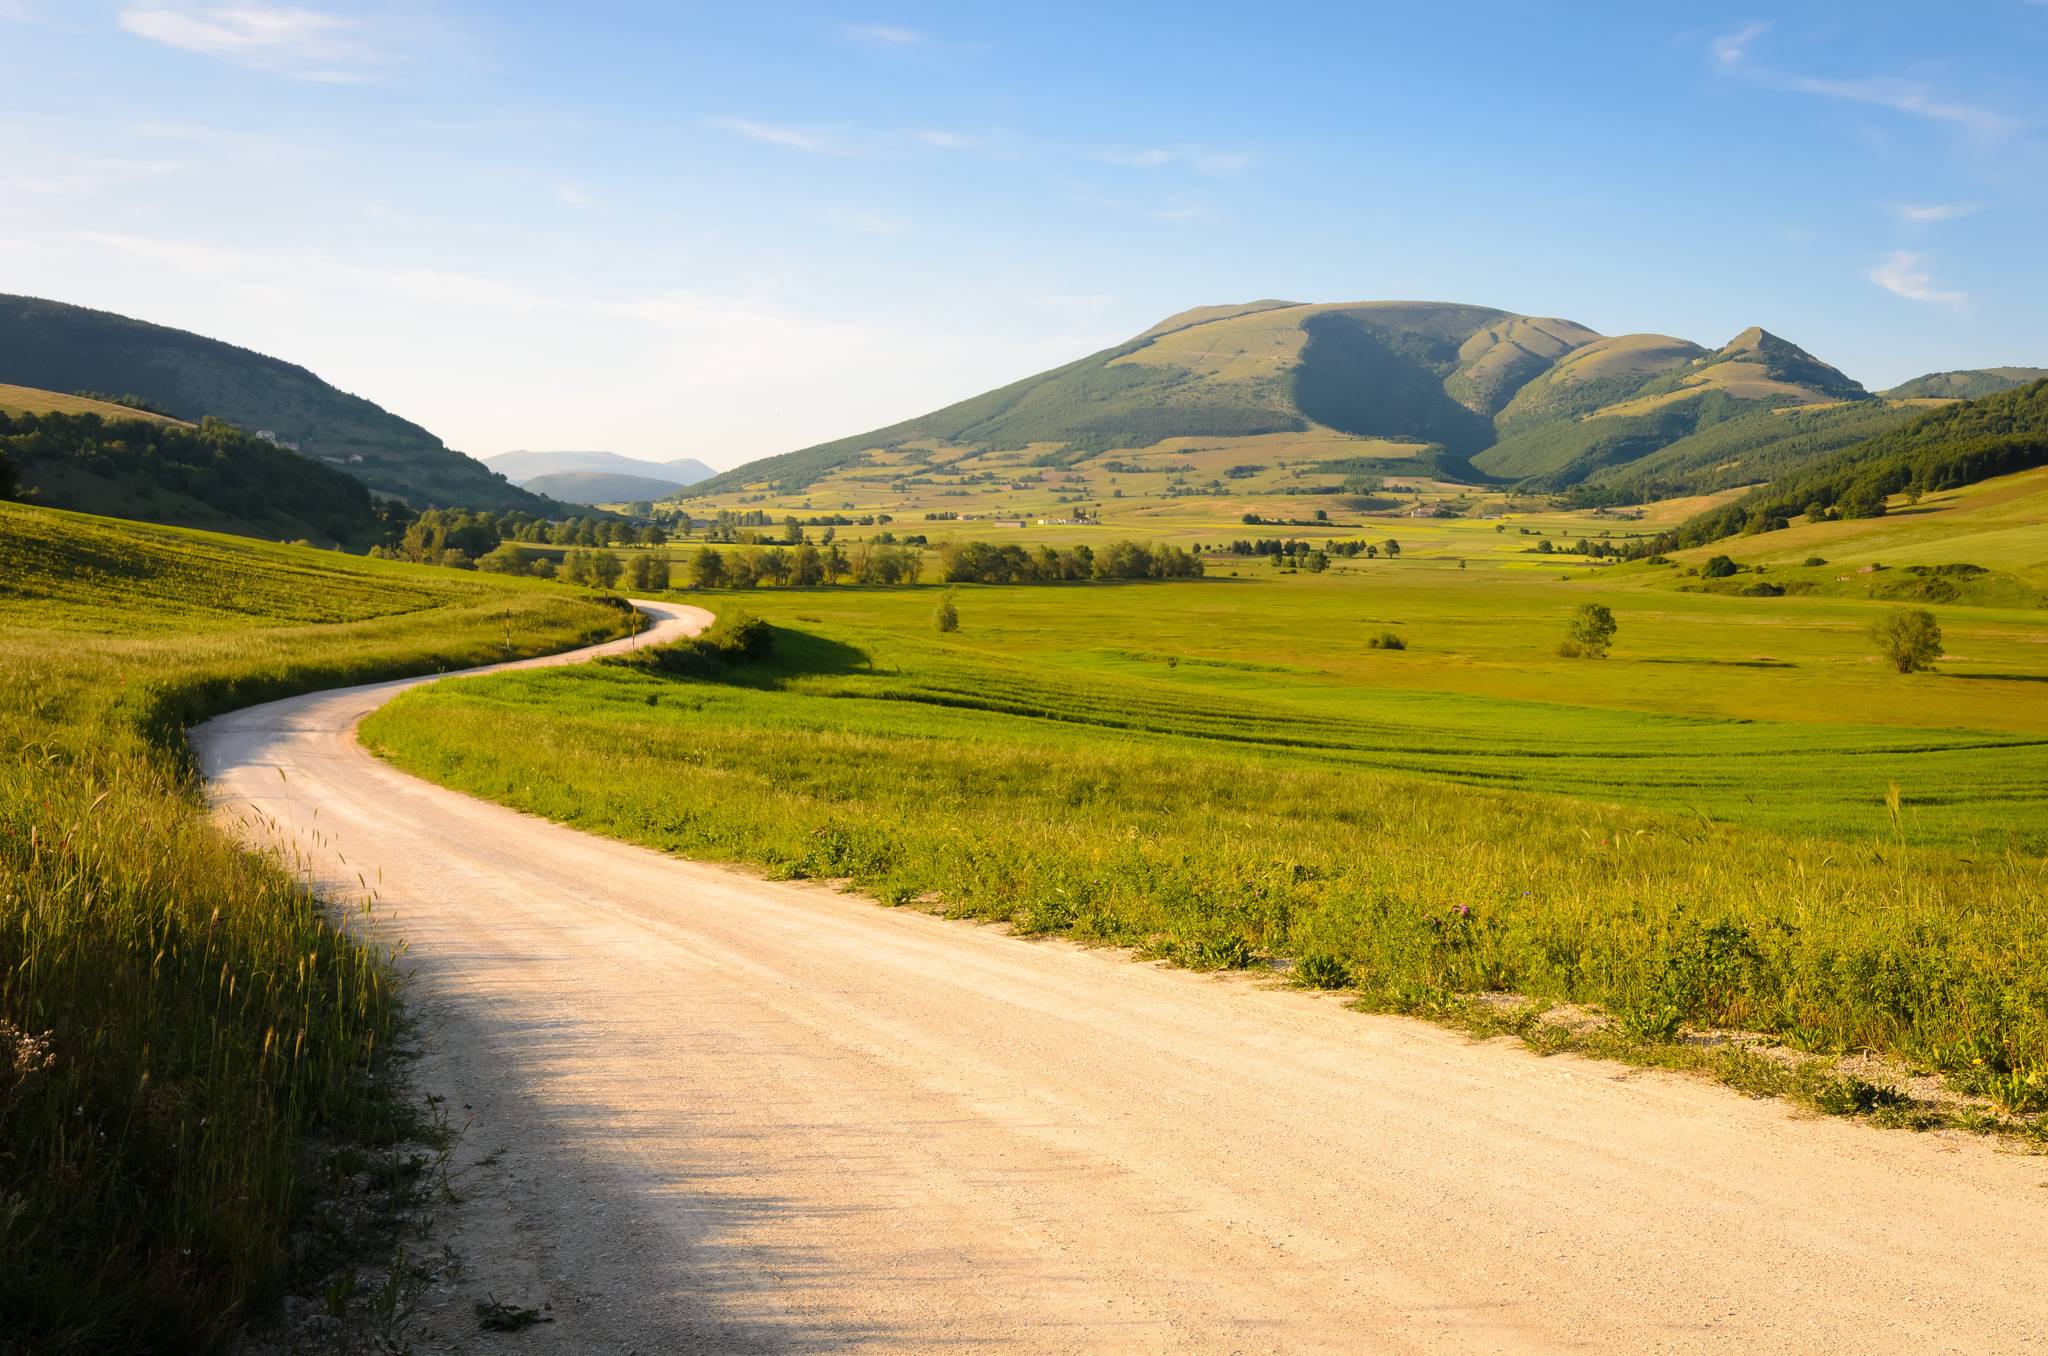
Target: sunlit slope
(33,400)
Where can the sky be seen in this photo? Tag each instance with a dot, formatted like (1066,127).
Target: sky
(727,230)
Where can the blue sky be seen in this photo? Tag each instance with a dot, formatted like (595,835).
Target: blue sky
(672,229)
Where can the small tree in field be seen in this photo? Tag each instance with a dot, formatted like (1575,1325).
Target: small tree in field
(1908,638)
(1588,634)
(947,617)
(707,571)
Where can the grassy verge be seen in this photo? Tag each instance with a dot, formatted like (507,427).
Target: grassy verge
(176,1014)
(1212,815)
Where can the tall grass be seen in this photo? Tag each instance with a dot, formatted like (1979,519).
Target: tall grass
(180,1013)
(1170,818)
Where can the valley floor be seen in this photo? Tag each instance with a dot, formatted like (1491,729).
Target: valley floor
(712,1113)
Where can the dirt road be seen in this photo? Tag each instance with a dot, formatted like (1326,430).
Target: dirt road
(740,1115)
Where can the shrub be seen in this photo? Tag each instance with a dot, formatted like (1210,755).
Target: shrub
(1720,567)
(1762,590)
(1386,640)
(1909,638)
(947,617)
(737,637)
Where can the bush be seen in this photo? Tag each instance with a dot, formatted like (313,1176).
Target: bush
(1719,567)
(737,637)
(947,617)
(1762,590)
(1386,640)
(1814,560)
(1909,638)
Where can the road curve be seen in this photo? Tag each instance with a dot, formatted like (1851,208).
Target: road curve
(711,1113)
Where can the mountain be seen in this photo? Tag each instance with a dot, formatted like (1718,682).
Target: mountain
(1967,384)
(600,487)
(1456,391)
(57,347)
(522,468)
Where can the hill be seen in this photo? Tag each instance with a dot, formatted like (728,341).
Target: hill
(601,487)
(1969,383)
(523,468)
(57,347)
(1942,449)
(1455,392)
(127,464)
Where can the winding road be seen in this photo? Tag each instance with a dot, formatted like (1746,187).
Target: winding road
(712,1113)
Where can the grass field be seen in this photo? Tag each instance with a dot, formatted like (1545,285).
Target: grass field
(1695,831)
(175,1015)
(30,400)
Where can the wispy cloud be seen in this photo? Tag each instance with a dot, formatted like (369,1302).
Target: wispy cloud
(1731,54)
(79,177)
(888,34)
(573,195)
(1902,274)
(809,140)
(291,40)
(1197,158)
(1925,214)
(957,141)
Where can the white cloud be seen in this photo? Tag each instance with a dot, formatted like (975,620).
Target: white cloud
(885,33)
(1922,214)
(1901,273)
(810,141)
(1197,158)
(955,141)
(573,195)
(306,44)
(1732,49)
(1731,54)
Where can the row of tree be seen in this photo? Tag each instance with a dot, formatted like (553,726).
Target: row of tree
(980,562)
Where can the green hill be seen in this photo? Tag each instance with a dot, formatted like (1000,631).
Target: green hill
(69,453)
(57,347)
(1941,449)
(1967,384)
(1544,403)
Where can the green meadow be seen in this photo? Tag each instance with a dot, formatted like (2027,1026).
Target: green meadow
(177,1016)
(1738,820)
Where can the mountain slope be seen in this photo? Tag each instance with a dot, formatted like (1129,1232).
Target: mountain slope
(1967,384)
(68,348)
(212,475)
(1941,449)
(1559,437)
(522,468)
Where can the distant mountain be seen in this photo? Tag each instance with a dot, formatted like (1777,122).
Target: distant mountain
(600,487)
(1967,384)
(1489,395)
(57,347)
(523,468)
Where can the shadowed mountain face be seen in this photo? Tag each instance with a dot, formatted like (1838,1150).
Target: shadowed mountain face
(1539,400)
(1967,384)
(57,347)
